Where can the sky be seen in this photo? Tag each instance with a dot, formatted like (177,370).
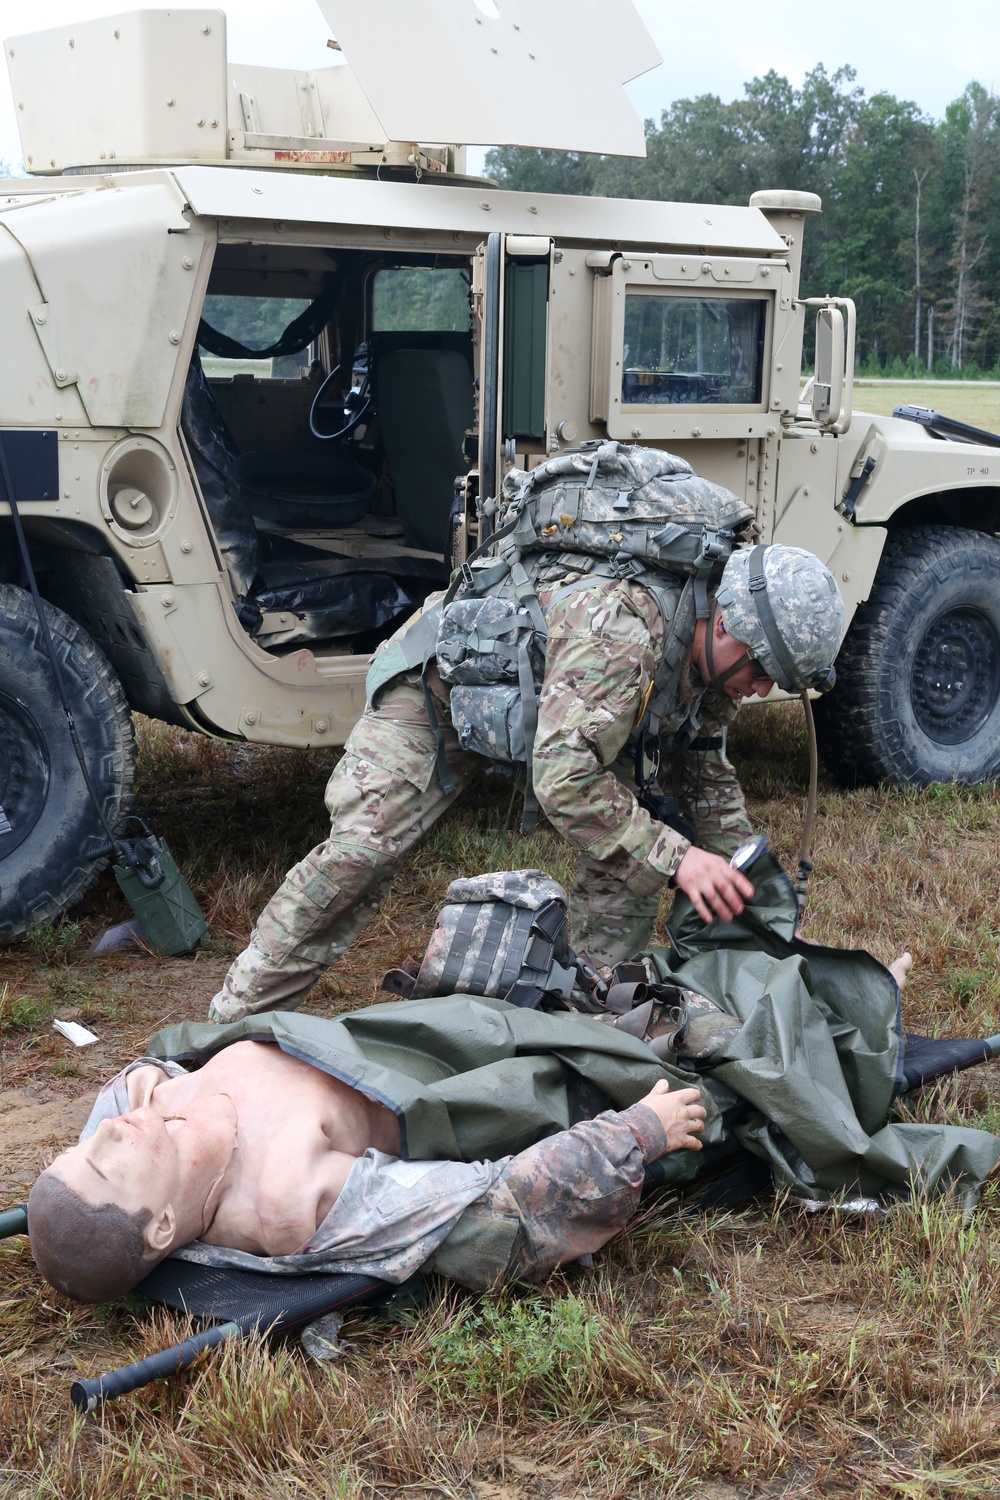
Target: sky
(708,46)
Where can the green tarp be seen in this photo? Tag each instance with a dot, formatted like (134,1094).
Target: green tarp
(817,1056)
(807,1082)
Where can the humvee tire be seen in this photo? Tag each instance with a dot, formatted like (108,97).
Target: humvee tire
(917,698)
(47,820)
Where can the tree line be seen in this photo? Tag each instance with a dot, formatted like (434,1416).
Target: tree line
(911,206)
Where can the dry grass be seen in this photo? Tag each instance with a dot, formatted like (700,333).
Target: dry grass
(763,1353)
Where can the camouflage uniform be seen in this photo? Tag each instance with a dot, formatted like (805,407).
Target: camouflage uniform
(602,652)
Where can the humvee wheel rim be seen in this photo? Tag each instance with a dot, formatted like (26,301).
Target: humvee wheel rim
(956,676)
(24,773)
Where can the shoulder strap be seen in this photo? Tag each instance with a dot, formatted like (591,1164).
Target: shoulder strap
(405,654)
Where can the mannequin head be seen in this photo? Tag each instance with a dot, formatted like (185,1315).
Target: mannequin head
(108,1210)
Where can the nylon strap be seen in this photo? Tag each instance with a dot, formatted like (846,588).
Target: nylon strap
(716,679)
(485,958)
(514,965)
(757,583)
(458,952)
(529,719)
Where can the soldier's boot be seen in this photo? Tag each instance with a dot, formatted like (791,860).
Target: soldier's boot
(608,921)
(382,797)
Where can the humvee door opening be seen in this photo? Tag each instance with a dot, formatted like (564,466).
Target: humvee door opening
(327,413)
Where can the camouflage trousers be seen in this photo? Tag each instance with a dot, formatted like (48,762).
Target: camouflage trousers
(383,795)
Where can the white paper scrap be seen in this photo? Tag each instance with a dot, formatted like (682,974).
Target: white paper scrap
(75,1033)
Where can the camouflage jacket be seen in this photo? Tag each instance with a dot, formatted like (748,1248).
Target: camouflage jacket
(604,645)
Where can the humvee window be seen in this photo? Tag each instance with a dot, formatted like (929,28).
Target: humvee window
(257,323)
(420,299)
(693,350)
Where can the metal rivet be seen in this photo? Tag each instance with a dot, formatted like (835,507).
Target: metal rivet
(321,726)
(170,103)
(483,204)
(256,190)
(167,600)
(187,263)
(60,374)
(206,30)
(174,336)
(250,717)
(204,679)
(186,546)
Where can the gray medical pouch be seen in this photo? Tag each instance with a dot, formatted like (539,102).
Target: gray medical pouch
(490,721)
(505,935)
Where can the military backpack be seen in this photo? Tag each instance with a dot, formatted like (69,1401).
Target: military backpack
(606,511)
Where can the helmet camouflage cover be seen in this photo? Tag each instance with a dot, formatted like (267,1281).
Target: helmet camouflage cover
(784,605)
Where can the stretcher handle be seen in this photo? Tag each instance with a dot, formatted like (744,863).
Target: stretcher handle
(13,1221)
(88,1395)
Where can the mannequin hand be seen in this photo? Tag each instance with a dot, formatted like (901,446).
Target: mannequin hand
(680,1112)
(714,888)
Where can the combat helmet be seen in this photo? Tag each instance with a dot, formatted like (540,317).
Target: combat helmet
(784,605)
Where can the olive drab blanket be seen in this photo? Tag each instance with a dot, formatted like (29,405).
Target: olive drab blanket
(807,1082)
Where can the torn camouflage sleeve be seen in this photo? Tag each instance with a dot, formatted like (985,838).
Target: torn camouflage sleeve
(600,660)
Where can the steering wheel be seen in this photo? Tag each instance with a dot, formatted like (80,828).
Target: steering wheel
(356,406)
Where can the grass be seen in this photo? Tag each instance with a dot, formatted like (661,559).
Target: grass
(962,399)
(760,1353)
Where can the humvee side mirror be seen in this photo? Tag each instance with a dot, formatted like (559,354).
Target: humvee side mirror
(828,389)
(833,383)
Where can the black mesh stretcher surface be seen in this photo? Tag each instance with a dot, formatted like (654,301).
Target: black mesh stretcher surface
(236,1303)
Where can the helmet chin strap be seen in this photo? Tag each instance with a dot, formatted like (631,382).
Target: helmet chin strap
(717,679)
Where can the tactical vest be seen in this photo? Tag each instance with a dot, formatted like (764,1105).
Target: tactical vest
(605,510)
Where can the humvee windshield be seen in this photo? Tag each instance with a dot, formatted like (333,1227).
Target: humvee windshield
(411,298)
(693,350)
(256,322)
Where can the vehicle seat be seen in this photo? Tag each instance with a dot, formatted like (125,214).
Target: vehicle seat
(324,594)
(424,402)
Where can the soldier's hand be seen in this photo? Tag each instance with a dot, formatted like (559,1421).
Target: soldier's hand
(714,888)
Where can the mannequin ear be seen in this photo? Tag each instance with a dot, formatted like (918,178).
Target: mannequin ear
(159,1232)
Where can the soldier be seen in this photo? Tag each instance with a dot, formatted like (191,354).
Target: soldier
(776,617)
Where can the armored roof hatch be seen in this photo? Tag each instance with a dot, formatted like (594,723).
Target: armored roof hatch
(499,72)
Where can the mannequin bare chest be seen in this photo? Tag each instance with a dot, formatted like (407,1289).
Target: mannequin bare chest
(298,1133)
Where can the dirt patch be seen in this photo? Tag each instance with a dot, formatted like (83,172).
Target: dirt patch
(36,1124)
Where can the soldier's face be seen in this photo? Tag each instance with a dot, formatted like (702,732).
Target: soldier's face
(747,683)
(726,652)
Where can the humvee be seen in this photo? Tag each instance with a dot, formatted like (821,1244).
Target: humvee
(267,347)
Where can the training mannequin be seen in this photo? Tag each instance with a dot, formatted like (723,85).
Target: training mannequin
(253,1151)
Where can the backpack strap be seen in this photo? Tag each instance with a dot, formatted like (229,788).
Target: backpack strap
(405,654)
